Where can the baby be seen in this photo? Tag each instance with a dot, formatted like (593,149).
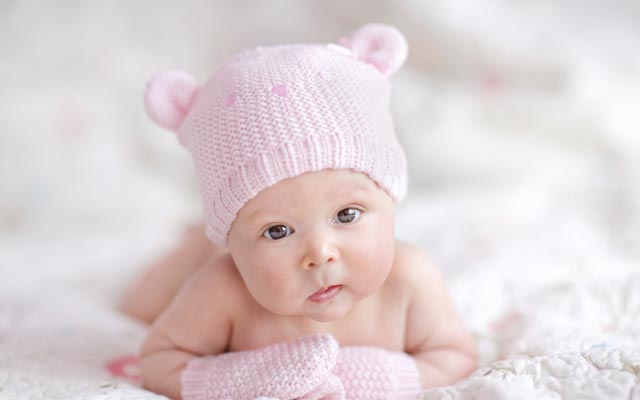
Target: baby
(304,293)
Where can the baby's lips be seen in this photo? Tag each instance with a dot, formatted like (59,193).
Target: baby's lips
(325,294)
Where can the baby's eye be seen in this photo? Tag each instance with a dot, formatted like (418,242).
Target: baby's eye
(277,232)
(348,215)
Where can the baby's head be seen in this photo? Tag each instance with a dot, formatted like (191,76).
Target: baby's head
(298,165)
(312,232)
(273,113)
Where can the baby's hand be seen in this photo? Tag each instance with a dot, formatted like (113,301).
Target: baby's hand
(330,389)
(289,370)
(370,373)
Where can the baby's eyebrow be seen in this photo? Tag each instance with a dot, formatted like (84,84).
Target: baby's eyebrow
(264,213)
(349,191)
(338,193)
(256,213)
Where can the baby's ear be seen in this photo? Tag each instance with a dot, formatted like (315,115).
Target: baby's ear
(381,45)
(168,98)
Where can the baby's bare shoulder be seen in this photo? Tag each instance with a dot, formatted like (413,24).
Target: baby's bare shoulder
(212,288)
(412,267)
(200,317)
(431,316)
(218,278)
(419,275)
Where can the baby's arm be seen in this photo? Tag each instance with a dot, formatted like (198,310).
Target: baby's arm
(196,323)
(443,349)
(184,355)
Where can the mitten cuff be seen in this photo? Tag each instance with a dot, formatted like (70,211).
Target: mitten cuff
(376,373)
(195,379)
(406,373)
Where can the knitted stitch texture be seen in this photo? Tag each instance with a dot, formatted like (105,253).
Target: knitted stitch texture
(297,369)
(371,373)
(272,113)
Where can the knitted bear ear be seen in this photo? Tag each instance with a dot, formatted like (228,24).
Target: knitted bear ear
(168,98)
(381,45)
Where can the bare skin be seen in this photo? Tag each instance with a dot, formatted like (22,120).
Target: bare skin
(257,292)
(151,293)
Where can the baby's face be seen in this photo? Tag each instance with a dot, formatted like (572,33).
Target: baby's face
(328,229)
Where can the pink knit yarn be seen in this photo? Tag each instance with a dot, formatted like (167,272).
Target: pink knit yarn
(299,369)
(371,373)
(307,368)
(272,113)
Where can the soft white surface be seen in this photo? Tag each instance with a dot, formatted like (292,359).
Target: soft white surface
(521,126)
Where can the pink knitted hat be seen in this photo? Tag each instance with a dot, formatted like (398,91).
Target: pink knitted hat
(272,113)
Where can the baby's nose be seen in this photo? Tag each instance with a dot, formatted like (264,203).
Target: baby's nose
(320,249)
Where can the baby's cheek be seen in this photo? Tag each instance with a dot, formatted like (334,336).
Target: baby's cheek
(376,245)
(370,270)
(274,286)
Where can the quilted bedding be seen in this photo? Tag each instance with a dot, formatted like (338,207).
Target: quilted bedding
(556,335)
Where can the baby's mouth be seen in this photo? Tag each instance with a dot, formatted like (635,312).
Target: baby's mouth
(324,295)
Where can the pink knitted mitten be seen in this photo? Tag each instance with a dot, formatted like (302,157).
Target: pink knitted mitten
(369,373)
(283,370)
(331,389)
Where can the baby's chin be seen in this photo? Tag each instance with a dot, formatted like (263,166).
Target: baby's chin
(331,312)
(337,310)
(325,314)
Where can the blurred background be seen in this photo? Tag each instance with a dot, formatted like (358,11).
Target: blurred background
(520,121)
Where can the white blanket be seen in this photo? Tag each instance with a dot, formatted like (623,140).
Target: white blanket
(520,121)
(549,335)
(566,341)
